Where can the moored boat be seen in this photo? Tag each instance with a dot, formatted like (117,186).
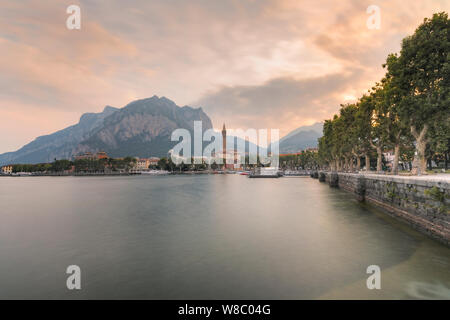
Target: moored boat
(269,172)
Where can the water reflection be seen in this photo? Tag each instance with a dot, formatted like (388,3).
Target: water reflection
(211,237)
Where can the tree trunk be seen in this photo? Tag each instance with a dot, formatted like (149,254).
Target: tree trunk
(367,162)
(396,155)
(346,166)
(446,161)
(421,161)
(351,164)
(358,163)
(419,165)
(379,158)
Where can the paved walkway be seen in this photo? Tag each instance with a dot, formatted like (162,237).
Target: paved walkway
(428,177)
(442,179)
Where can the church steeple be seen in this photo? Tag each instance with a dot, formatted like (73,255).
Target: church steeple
(224,144)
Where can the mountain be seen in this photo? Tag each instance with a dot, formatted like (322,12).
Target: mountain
(234,141)
(142,128)
(301,138)
(59,144)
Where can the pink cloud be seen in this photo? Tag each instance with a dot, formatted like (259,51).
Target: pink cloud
(191,51)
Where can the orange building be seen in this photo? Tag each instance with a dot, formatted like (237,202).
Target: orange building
(7,169)
(101,155)
(290,154)
(90,156)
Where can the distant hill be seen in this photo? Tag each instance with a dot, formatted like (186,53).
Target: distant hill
(60,144)
(301,138)
(141,128)
(233,142)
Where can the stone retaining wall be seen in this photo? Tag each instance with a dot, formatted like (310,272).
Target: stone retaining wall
(423,202)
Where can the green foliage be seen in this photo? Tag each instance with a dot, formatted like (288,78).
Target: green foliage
(435,194)
(420,72)
(214,166)
(42,167)
(391,190)
(61,165)
(81,166)
(306,160)
(411,103)
(166,164)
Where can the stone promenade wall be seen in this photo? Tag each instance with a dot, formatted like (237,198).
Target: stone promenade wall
(423,202)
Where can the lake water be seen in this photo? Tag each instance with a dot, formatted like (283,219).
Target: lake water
(207,237)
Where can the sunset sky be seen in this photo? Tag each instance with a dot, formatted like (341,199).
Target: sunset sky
(249,63)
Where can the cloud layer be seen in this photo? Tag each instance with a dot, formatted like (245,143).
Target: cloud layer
(249,63)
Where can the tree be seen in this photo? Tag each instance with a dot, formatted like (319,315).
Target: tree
(420,74)
(346,134)
(61,165)
(440,142)
(325,145)
(394,129)
(362,146)
(162,164)
(370,107)
(336,142)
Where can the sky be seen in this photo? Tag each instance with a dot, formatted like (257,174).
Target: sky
(249,63)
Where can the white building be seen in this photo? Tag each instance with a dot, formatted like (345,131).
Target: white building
(389,157)
(7,169)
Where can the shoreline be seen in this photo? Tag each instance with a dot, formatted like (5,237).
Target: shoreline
(119,174)
(421,202)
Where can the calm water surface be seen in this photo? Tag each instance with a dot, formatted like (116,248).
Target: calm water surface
(211,237)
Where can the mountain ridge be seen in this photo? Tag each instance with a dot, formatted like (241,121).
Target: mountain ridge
(141,128)
(301,138)
(56,145)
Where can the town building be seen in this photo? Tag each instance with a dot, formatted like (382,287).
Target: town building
(7,169)
(315,150)
(90,156)
(145,163)
(389,158)
(101,155)
(153,161)
(232,159)
(142,164)
(290,154)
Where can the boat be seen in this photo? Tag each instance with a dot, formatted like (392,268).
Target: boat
(296,173)
(269,172)
(155,172)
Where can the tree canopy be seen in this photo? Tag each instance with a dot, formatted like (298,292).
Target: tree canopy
(409,109)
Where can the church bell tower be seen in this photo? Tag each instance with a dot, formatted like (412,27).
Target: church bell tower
(224,145)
